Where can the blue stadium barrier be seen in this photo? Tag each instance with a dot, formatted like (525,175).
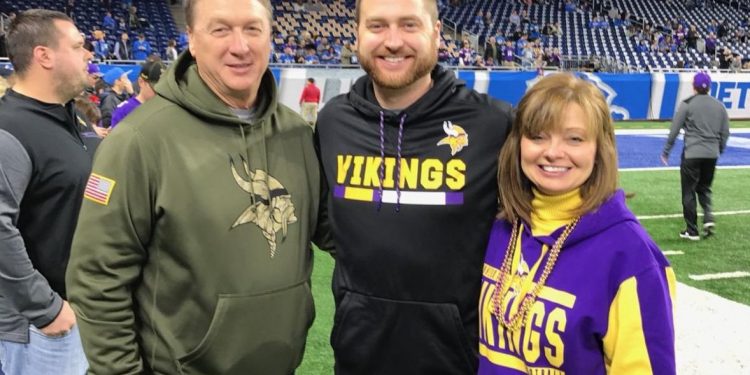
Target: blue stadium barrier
(636,96)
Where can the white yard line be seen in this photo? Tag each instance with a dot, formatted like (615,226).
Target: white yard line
(672,252)
(721,275)
(672,216)
(666,131)
(677,168)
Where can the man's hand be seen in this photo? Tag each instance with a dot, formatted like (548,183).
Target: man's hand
(62,324)
(663,159)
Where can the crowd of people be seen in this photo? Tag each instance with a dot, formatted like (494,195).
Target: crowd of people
(181,243)
(679,36)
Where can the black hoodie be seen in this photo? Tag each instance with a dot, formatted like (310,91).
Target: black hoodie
(44,166)
(408,269)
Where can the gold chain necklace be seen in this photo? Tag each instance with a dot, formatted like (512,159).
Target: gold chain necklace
(517,320)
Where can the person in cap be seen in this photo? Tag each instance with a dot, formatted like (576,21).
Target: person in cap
(44,164)
(705,122)
(120,89)
(150,73)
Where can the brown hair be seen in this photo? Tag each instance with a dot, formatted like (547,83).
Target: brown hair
(190,9)
(30,29)
(542,108)
(430,7)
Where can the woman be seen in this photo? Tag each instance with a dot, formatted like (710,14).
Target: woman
(572,283)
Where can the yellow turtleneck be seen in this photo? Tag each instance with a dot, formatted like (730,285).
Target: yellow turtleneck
(550,212)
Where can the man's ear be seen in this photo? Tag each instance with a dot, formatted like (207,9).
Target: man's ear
(44,56)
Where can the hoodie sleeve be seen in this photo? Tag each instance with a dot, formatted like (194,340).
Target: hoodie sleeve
(21,286)
(640,338)
(109,250)
(323,237)
(677,123)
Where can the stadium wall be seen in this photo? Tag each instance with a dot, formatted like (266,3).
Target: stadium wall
(634,96)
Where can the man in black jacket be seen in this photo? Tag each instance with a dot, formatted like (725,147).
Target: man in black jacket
(44,165)
(410,160)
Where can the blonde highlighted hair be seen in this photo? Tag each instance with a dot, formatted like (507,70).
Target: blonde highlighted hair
(542,109)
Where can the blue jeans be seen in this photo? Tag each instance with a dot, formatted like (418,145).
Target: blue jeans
(44,355)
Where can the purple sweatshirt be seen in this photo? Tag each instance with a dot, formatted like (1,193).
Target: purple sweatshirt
(605,308)
(122,110)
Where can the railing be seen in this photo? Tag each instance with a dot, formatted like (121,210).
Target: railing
(594,63)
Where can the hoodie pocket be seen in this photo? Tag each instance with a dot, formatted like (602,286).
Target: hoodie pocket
(254,334)
(381,336)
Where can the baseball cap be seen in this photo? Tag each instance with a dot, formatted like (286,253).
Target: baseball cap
(93,69)
(113,75)
(701,80)
(151,71)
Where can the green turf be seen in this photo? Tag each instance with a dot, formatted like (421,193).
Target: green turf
(318,353)
(665,124)
(658,193)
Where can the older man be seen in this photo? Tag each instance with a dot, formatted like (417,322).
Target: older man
(192,254)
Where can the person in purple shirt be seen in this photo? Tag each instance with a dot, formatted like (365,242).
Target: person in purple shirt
(150,73)
(571,283)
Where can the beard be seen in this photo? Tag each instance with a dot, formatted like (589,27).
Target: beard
(421,66)
(68,86)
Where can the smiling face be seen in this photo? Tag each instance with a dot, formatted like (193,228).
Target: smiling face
(397,41)
(231,43)
(561,159)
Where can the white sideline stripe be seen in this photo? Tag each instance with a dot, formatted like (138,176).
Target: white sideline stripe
(666,131)
(672,252)
(677,168)
(722,275)
(671,216)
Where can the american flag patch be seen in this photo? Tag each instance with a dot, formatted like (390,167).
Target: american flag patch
(99,189)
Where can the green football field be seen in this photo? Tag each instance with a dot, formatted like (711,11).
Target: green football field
(657,204)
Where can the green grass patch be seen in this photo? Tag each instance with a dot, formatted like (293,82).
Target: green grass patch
(666,124)
(658,193)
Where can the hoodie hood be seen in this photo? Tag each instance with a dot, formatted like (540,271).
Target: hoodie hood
(182,85)
(612,212)
(445,84)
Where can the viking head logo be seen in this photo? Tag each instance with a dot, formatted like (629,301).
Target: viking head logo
(271,206)
(457,138)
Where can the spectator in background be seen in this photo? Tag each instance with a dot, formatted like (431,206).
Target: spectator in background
(108,22)
(705,122)
(311,57)
(122,47)
(347,53)
(94,76)
(150,73)
(133,18)
(141,48)
(309,101)
(45,164)
(286,57)
(102,48)
(119,89)
(170,54)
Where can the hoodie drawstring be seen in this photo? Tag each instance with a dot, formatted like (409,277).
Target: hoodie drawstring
(398,160)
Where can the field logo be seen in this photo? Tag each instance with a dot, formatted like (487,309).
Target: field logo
(617,112)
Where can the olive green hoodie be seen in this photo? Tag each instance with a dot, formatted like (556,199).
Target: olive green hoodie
(192,252)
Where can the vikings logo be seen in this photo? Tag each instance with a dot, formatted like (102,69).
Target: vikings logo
(271,208)
(457,138)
